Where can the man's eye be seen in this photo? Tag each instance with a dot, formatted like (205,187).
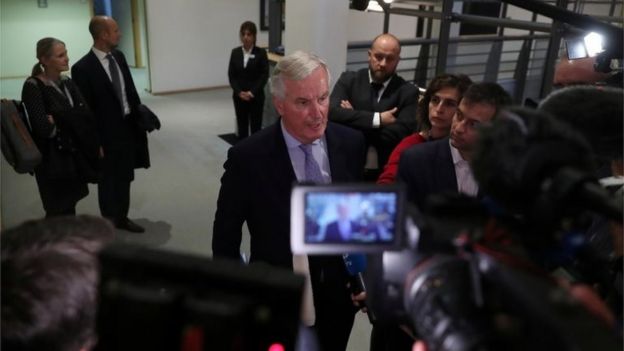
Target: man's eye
(435,100)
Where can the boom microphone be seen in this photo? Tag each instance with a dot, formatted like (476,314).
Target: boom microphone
(355,265)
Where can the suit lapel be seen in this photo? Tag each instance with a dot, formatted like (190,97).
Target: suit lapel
(102,76)
(446,178)
(337,159)
(279,159)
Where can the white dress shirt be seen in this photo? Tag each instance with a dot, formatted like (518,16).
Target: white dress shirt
(466,184)
(101,55)
(377,115)
(300,262)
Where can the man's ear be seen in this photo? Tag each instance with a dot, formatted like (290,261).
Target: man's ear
(279,105)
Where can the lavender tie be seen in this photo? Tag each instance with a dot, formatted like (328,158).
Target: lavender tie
(312,169)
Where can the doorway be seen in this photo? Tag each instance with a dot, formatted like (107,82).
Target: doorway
(130,16)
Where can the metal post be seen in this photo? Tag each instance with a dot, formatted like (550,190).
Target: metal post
(522,68)
(494,58)
(422,66)
(552,53)
(275,24)
(443,39)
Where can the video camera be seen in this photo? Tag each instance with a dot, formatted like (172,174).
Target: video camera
(429,271)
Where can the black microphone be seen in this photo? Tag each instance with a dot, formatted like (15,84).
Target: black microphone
(356,264)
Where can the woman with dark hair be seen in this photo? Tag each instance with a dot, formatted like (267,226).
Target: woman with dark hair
(63,129)
(248,72)
(435,113)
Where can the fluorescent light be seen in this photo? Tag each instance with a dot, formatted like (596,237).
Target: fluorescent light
(593,44)
(374,6)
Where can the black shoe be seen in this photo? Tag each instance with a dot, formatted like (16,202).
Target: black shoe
(127,224)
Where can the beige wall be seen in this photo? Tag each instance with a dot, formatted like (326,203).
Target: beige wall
(22,24)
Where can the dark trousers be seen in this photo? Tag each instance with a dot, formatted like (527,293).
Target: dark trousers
(59,197)
(66,212)
(332,303)
(114,198)
(248,115)
(116,173)
(390,338)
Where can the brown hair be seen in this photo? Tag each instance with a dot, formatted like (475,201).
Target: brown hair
(44,49)
(461,82)
(249,26)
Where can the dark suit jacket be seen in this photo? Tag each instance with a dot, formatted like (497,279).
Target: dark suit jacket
(256,187)
(427,169)
(115,132)
(355,87)
(332,232)
(251,78)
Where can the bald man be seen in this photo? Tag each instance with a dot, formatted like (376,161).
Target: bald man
(375,100)
(104,79)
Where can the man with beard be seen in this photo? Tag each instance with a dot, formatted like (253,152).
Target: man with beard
(443,165)
(375,100)
(104,79)
(302,146)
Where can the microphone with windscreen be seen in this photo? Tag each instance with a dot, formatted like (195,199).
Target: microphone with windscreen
(355,263)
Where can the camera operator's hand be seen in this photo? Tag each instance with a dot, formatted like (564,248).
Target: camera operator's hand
(419,346)
(588,297)
(358,300)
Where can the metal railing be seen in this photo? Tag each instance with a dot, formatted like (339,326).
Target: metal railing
(523,64)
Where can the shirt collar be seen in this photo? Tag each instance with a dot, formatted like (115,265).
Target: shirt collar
(385,83)
(99,53)
(290,140)
(248,52)
(457,158)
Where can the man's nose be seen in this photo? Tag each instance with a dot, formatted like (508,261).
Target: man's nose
(460,126)
(315,108)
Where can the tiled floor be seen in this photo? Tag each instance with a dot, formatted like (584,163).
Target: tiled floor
(175,199)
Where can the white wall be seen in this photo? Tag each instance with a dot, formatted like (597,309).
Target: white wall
(192,52)
(190,41)
(22,24)
(122,13)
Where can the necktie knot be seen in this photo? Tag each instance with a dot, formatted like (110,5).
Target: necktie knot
(311,167)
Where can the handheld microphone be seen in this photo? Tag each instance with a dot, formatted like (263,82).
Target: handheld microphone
(356,264)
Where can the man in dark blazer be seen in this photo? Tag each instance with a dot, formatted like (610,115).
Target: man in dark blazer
(104,79)
(343,228)
(376,100)
(248,73)
(259,175)
(443,165)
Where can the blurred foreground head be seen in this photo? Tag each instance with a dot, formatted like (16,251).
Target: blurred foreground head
(49,283)
(521,152)
(596,113)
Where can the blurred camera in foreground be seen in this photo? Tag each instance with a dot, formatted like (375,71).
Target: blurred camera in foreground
(462,272)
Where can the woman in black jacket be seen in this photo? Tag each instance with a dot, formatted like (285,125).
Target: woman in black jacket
(248,72)
(63,128)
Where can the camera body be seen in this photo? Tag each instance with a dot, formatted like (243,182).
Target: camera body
(429,272)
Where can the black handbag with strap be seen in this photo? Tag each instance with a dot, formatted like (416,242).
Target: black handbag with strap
(18,146)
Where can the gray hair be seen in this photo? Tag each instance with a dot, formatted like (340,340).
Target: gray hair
(296,66)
